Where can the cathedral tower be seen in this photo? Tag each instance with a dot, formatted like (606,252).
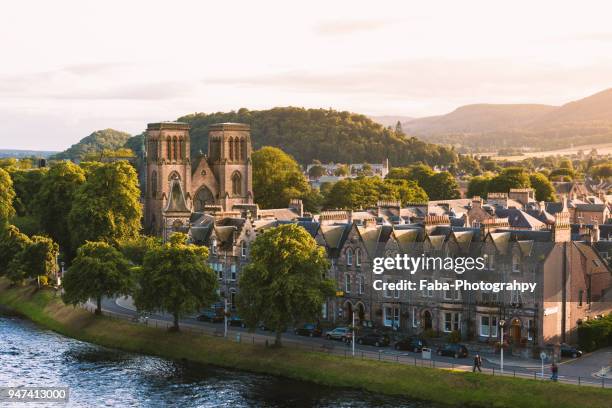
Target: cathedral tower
(229,157)
(167,163)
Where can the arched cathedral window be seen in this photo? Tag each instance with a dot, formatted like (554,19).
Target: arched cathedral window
(154,184)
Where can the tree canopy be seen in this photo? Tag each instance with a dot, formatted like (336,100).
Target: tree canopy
(107,206)
(98,270)
(322,134)
(98,141)
(438,185)
(544,190)
(176,278)
(364,192)
(37,258)
(284,283)
(7,195)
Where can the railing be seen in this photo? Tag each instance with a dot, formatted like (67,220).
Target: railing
(345,350)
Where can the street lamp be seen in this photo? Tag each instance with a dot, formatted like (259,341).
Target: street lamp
(502,323)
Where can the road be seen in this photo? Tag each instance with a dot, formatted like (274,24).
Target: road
(580,370)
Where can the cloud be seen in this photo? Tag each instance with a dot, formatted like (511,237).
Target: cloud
(336,27)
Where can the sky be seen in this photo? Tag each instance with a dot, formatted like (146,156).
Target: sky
(68,68)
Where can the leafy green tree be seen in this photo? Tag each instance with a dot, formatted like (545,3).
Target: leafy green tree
(176,278)
(511,177)
(26,184)
(12,242)
(544,190)
(37,258)
(107,206)
(469,165)
(342,170)
(284,283)
(442,186)
(135,249)
(364,192)
(601,171)
(55,201)
(478,186)
(562,173)
(98,270)
(277,178)
(7,195)
(316,171)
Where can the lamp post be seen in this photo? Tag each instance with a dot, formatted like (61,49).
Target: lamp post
(502,323)
(353,337)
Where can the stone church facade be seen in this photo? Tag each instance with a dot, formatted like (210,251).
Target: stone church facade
(177,186)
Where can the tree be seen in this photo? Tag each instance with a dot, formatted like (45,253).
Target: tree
(55,200)
(364,192)
(442,186)
(342,170)
(544,190)
(176,278)
(468,165)
(398,128)
(7,195)
(12,242)
(316,171)
(26,184)
(277,178)
(135,249)
(98,270)
(36,259)
(284,283)
(478,186)
(107,206)
(511,177)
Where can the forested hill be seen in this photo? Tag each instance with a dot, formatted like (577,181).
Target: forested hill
(325,135)
(106,139)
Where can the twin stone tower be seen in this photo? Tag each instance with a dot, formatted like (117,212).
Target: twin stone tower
(177,185)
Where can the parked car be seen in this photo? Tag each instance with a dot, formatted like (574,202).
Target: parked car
(308,329)
(374,339)
(211,315)
(235,320)
(411,343)
(339,333)
(453,350)
(570,351)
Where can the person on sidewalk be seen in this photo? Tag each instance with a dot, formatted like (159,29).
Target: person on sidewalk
(477,363)
(554,369)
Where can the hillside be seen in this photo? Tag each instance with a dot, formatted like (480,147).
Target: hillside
(98,141)
(322,134)
(18,154)
(391,120)
(490,127)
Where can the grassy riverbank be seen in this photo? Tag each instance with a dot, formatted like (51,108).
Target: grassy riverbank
(445,387)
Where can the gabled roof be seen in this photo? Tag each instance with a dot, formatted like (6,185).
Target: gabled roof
(501,241)
(520,219)
(176,201)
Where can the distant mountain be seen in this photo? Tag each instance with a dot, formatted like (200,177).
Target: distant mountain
(490,127)
(322,134)
(390,120)
(106,139)
(18,154)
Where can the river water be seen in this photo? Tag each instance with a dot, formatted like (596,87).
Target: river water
(101,377)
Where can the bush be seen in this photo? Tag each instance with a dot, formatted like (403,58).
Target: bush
(454,337)
(595,334)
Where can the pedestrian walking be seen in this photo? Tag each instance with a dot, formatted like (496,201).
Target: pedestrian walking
(555,372)
(477,363)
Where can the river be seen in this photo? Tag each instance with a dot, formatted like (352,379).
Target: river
(101,377)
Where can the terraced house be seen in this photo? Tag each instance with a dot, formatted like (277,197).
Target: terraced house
(517,238)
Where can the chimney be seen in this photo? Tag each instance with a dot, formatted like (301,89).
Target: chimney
(296,205)
(476,202)
(595,234)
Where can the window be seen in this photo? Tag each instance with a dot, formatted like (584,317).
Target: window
(349,256)
(360,285)
(213,245)
(154,184)
(516,263)
(324,311)
(530,329)
(580,293)
(236,184)
(388,292)
(347,283)
(489,296)
(233,272)
(232,299)
(391,316)
(515,297)
(488,326)
(426,292)
(491,262)
(357,257)
(243,250)
(218,267)
(415,320)
(452,294)
(451,321)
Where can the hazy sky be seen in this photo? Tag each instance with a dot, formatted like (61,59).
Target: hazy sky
(68,68)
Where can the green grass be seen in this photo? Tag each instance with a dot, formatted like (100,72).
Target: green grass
(439,386)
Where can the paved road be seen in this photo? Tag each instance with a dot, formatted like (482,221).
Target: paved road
(569,370)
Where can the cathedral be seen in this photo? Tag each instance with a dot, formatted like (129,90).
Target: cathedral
(177,186)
